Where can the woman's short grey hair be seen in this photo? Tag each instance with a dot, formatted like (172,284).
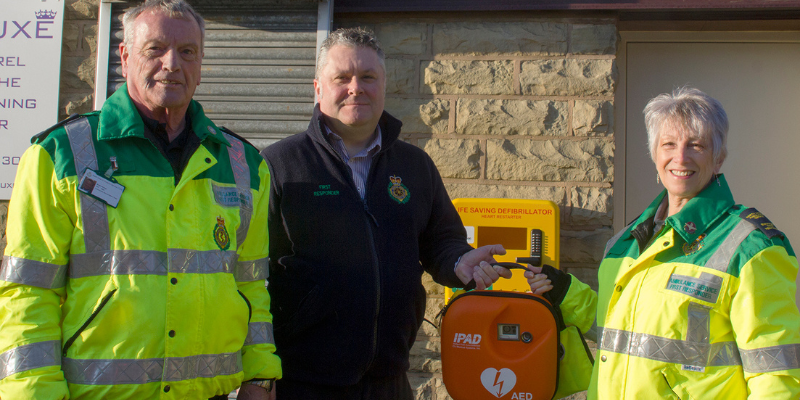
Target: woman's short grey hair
(691,110)
(172,8)
(350,37)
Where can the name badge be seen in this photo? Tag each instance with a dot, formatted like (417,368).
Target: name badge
(101,188)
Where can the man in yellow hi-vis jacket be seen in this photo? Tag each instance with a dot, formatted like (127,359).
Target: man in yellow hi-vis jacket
(137,241)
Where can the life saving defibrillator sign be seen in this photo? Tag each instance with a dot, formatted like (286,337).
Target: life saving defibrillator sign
(523,227)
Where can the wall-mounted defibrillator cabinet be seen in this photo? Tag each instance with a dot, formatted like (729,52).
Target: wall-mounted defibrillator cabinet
(525,228)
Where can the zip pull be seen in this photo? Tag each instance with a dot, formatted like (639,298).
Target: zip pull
(113,168)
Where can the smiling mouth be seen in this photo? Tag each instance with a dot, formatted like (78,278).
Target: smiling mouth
(168,82)
(681,173)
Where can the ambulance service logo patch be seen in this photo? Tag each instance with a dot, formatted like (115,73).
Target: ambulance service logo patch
(498,383)
(689,248)
(221,236)
(398,191)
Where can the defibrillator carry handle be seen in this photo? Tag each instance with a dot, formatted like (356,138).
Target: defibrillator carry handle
(507,265)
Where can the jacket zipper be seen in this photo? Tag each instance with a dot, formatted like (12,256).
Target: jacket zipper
(374,259)
(83,327)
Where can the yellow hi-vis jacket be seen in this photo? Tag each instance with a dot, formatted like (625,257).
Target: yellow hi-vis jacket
(706,311)
(160,297)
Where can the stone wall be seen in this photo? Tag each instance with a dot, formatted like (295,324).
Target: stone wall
(78,58)
(508,107)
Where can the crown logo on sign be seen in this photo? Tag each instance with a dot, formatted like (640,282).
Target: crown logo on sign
(45,14)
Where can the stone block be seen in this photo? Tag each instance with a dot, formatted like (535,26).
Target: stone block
(399,75)
(511,117)
(431,287)
(428,387)
(77,73)
(3,221)
(572,77)
(512,38)
(554,160)
(455,158)
(89,42)
(420,115)
(593,39)
(403,38)
(71,37)
(584,246)
(593,118)
(591,206)
(76,103)
(81,9)
(585,275)
(467,77)
(424,360)
(461,190)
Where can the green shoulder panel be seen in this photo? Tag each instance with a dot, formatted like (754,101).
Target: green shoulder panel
(764,235)
(222,172)
(56,142)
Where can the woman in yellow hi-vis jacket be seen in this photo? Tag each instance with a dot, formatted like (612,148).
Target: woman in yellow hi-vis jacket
(696,297)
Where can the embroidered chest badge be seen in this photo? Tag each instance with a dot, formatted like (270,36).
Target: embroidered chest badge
(221,236)
(397,190)
(689,248)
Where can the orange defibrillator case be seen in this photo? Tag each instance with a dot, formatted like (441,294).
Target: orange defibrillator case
(500,345)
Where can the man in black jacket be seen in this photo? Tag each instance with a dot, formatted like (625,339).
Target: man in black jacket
(356,215)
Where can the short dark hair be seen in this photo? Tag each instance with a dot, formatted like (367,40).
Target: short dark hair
(350,37)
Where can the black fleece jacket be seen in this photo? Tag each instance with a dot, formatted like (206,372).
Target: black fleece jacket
(345,273)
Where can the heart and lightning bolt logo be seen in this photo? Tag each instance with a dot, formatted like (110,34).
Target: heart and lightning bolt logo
(498,383)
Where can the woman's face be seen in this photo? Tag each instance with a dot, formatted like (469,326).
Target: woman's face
(685,162)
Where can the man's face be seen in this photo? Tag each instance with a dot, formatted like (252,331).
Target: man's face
(351,88)
(162,65)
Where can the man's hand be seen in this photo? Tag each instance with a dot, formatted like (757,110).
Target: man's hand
(476,264)
(253,392)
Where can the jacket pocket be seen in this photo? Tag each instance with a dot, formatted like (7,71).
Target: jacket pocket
(68,343)
(310,312)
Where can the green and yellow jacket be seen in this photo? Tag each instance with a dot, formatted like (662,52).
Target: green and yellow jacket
(160,297)
(705,309)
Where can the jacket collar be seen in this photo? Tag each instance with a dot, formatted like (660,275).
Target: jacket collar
(695,217)
(390,129)
(120,119)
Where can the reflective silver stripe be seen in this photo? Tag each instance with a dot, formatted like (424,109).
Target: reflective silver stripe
(241,174)
(93,211)
(248,271)
(201,262)
(768,359)
(611,242)
(145,262)
(699,324)
(33,273)
(259,333)
(120,372)
(669,350)
(722,256)
(30,356)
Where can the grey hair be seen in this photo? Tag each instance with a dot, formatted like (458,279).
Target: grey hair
(172,8)
(350,37)
(692,111)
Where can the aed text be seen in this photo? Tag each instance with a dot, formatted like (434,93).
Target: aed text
(522,396)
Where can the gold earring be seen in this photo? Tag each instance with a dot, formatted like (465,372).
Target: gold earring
(658,179)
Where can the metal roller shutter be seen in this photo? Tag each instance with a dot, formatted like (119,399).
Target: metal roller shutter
(258,66)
